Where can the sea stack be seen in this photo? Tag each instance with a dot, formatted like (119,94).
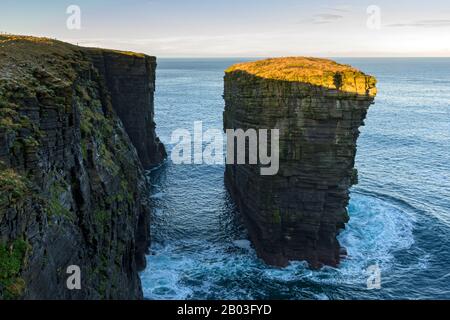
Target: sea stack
(318,106)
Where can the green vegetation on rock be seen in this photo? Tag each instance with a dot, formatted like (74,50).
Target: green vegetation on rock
(13,187)
(55,205)
(12,260)
(276,216)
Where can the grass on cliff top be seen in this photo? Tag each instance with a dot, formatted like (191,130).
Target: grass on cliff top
(21,40)
(21,56)
(18,48)
(22,45)
(316,71)
(120,52)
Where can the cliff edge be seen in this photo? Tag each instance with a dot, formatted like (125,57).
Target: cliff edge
(76,131)
(318,106)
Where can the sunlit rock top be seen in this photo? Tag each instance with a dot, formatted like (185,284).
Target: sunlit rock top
(318,72)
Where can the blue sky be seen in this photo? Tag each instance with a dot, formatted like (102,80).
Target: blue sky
(245,28)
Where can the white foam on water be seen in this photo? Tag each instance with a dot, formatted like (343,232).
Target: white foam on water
(186,269)
(158,212)
(243,244)
(158,195)
(198,268)
(161,281)
(321,296)
(376,231)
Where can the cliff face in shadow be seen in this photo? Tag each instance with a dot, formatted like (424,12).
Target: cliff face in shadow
(73,127)
(318,107)
(130,79)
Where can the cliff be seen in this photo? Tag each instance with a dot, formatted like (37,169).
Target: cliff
(76,129)
(130,79)
(318,106)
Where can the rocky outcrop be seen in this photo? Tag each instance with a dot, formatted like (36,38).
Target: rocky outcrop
(72,188)
(318,106)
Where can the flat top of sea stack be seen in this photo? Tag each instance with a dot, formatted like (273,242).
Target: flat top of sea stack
(315,71)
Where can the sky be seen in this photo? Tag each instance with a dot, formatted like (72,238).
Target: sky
(242,28)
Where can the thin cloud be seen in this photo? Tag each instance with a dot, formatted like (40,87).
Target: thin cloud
(422,23)
(326,18)
(338,8)
(323,18)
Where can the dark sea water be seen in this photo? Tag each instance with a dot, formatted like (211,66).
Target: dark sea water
(400,211)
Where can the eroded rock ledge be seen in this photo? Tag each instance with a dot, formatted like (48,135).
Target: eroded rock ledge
(76,129)
(318,106)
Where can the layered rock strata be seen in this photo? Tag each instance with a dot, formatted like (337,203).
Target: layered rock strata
(76,128)
(318,106)
(130,79)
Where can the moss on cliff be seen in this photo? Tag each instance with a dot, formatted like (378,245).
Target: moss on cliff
(13,187)
(12,121)
(12,259)
(55,207)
